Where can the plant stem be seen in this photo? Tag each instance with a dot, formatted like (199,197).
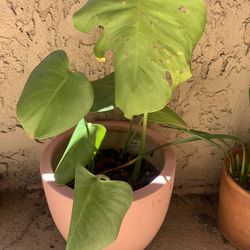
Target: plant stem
(91,164)
(137,168)
(87,128)
(243,174)
(122,166)
(125,149)
(229,155)
(193,138)
(174,142)
(131,137)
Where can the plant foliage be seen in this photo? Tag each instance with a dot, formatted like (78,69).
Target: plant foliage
(50,95)
(98,210)
(148,38)
(153,42)
(84,142)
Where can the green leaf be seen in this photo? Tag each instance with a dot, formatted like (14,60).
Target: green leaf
(98,210)
(80,150)
(167,116)
(104,94)
(54,99)
(209,138)
(149,38)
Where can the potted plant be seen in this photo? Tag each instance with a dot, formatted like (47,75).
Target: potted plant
(234,198)
(152,43)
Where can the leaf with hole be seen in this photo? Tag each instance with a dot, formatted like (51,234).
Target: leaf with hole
(98,210)
(149,39)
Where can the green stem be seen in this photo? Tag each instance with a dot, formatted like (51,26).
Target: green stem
(137,168)
(242,174)
(122,166)
(231,162)
(91,164)
(174,142)
(87,128)
(229,155)
(131,138)
(125,149)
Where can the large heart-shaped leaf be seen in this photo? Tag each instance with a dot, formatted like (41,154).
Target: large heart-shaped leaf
(149,38)
(104,94)
(54,99)
(167,116)
(98,210)
(80,150)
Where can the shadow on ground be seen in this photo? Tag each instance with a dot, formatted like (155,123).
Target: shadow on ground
(26,224)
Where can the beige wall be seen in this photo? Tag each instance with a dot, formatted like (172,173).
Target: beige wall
(214,100)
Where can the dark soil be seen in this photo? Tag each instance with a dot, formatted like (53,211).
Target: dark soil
(246,185)
(237,172)
(107,159)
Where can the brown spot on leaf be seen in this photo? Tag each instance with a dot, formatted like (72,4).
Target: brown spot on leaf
(182,9)
(169,79)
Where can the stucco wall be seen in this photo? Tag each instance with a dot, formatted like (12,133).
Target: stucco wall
(214,100)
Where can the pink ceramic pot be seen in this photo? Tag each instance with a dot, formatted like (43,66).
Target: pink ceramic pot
(150,204)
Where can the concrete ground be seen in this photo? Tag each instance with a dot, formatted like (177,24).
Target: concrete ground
(25,224)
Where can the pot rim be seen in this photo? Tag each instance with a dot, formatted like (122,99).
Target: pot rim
(233,183)
(166,176)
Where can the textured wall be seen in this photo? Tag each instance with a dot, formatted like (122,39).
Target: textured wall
(214,100)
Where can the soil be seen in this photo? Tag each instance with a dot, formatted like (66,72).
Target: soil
(246,185)
(236,175)
(107,159)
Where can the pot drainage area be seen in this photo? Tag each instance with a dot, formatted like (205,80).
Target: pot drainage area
(26,223)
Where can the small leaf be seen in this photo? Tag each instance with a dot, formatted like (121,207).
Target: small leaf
(167,116)
(80,150)
(104,94)
(98,210)
(54,99)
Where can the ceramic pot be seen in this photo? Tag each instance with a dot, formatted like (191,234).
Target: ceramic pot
(234,212)
(150,205)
